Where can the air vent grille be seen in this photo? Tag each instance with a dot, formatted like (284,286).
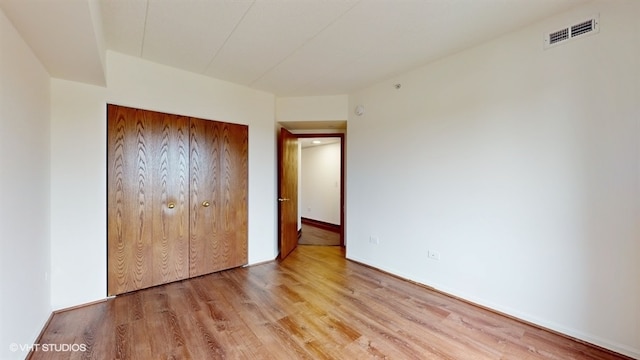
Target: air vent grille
(569,32)
(582,28)
(558,36)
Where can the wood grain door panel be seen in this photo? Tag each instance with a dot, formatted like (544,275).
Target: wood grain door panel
(129,200)
(219,170)
(288,190)
(177,197)
(234,191)
(204,220)
(170,198)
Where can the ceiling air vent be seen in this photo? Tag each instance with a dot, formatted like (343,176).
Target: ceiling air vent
(590,26)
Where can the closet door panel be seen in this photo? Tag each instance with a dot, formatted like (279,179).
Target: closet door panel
(204,220)
(233,191)
(219,153)
(129,200)
(170,198)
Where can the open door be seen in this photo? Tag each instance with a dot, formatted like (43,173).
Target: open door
(287,192)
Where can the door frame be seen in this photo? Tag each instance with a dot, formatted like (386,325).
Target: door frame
(342,168)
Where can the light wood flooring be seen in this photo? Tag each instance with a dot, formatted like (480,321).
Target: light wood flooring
(313,305)
(312,235)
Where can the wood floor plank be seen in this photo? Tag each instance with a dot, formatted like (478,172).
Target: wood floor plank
(312,235)
(315,304)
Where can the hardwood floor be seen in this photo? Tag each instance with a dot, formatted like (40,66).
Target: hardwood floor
(313,305)
(312,235)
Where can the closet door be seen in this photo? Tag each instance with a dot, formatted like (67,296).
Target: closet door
(148,198)
(170,211)
(219,188)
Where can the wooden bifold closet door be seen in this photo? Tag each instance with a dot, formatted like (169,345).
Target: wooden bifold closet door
(177,197)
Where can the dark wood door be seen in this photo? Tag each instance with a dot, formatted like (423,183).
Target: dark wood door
(288,192)
(148,203)
(219,189)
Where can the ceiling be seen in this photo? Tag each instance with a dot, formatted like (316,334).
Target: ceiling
(319,141)
(286,47)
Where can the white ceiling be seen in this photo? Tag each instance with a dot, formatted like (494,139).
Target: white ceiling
(286,47)
(319,141)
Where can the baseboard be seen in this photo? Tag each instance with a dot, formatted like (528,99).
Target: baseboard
(321,224)
(81,305)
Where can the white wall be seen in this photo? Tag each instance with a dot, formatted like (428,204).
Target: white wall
(24,193)
(521,167)
(78,162)
(320,183)
(78,191)
(312,108)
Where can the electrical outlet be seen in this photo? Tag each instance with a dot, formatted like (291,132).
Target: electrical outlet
(374,240)
(433,255)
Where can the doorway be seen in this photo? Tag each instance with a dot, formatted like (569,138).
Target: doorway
(321,189)
(339,138)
